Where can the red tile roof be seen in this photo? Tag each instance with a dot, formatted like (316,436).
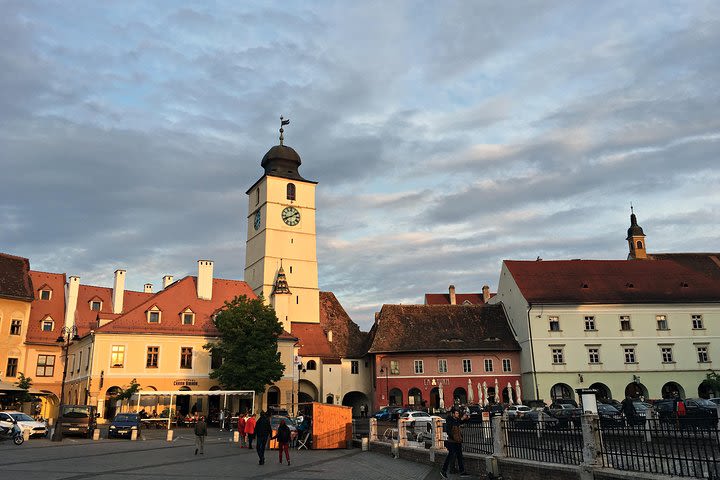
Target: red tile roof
(613,281)
(460,298)
(41,309)
(86,318)
(312,340)
(15,282)
(173,300)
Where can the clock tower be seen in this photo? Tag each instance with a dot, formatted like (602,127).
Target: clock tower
(281,258)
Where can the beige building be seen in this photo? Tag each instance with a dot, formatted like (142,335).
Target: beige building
(646,326)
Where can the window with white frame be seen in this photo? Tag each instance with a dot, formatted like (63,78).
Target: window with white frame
(442,366)
(188,317)
(45,294)
(95,305)
(186,357)
(589,323)
(507,366)
(629,354)
(697,322)
(45,366)
(15,326)
(667,354)
(594,355)
(153,354)
(154,315)
(702,353)
(625,323)
(661,321)
(467,365)
(419,368)
(117,356)
(394,367)
(47,325)
(488,365)
(554,323)
(558,356)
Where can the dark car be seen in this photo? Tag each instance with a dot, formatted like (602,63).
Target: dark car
(567,414)
(78,420)
(475,412)
(610,416)
(691,412)
(123,425)
(384,413)
(495,409)
(532,420)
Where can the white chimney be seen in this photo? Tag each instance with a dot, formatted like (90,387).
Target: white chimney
(486,293)
(453,301)
(205,279)
(147,288)
(118,291)
(71,298)
(167,280)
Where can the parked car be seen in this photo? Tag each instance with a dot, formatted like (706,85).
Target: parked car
(421,422)
(610,416)
(532,419)
(567,414)
(691,412)
(494,409)
(715,400)
(384,413)
(123,425)
(25,422)
(514,411)
(475,412)
(78,420)
(395,413)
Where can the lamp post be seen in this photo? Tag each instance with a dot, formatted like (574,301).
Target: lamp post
(384,369)
(67,336)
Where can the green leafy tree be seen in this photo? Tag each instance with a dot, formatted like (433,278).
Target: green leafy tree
(127,393)
(25,383)
(247,345)
(712,378)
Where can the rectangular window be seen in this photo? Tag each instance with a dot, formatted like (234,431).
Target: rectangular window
(186,357)
(557,356)
(188,318)
(72,363)
(154,317)
(152,357)
(95,305)
(442,366)
(215,360)
(79,361)
(467,365)
(702,353)
(87,362)
(488,365)
(15,327)
(625,323)
(629,355)
(419,366)
(11,370)
(661,322)
(593,355)
(117,356)
(589,323)
(697,322)
(45,295)
(394,367)
(554,324)
(45,366)
(354,367)
(667,354)
(507,366)
(47,326)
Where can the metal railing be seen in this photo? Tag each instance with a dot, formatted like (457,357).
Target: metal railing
(663,448)
(557,445)
(478,437)
(360,427)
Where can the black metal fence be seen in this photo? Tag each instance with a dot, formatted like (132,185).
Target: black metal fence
(478,438)
(662,448)
(562,445)
(360,427)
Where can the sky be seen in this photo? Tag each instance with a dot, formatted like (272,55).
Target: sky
(445,136)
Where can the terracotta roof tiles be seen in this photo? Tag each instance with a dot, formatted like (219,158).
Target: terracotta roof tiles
(42,309)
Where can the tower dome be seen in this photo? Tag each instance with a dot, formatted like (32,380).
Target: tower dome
(635,230)
(282,161)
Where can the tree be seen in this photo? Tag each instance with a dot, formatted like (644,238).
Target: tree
(127,393)
(247,345)
(712,379)
(25,383)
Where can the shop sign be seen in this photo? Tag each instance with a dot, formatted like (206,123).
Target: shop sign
(185,383)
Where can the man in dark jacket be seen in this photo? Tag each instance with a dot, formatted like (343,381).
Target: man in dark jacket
(454,442)
(200,434)
(262,433)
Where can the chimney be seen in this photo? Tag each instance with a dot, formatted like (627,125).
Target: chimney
(118,291)
(147,288)
(453,301)
(71,298)
(167,280)
(205,279)
(329,336)
(486,293)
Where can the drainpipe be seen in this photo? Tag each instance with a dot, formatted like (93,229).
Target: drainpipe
(532,354)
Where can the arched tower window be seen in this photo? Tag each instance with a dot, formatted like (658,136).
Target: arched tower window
(291,191)
(639,244)
(311,365)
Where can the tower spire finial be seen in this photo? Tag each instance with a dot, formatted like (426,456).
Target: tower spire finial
(283,122)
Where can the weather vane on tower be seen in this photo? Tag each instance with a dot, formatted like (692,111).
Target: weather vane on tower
(283,122)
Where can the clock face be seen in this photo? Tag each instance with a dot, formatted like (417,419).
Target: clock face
(291,216)
(256,222)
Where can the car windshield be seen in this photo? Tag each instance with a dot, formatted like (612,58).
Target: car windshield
(275,421)
(126,417)
(704,403)
(639,406)
(75,412)
(21,417)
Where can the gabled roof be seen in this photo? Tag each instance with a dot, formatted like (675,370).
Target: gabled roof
(171,300)
(460,298)
(41,309)
(86,318)
(442,328)
(663,279)
(15,282)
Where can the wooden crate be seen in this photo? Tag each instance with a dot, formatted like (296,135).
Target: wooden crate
(331,426)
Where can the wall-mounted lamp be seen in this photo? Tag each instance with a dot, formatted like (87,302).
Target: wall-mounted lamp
(580,377)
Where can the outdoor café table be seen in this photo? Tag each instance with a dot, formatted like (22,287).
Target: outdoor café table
(155,422)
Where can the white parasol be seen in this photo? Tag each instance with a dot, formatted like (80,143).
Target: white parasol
(519,392)
(510,394)
(441,394)
(471,395)
(486,393)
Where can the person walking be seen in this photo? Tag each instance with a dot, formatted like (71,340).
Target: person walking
(454,442)
(222,419)
(241,429)
(362,411)
(283,438)
(200,434)
(250,429)
(262,434)
(628,409)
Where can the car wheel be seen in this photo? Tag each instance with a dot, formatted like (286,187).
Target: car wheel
(18,439)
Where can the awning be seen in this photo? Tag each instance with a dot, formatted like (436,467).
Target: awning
(9,387)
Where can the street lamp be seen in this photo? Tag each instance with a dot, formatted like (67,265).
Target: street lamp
(67,336)
(384,369)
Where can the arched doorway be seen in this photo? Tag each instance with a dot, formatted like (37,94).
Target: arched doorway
(603,392)
(672,390)
(705,390)
(415,398)
(435,398)
(636,390)
(330,399)
(355,400)
(396,397)
(459,396)
(48,405)
(561,391)
(111,402)
(273,396)
(182,404)
(307,392)
(491,397)
(506,392)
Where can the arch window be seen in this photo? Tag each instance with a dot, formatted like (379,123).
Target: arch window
(291,191)
(311,365)
(639,244)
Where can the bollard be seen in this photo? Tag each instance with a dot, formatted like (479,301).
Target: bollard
(395,449)
(133,435)
(236,436)
(402,432)
(26,435)
(96,434)
(373,429)
(365,444)
(170,436)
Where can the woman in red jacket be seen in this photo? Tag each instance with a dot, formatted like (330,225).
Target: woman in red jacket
(241,429)
(250,429)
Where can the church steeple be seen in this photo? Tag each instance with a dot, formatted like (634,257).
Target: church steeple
(281,285)
(636,239)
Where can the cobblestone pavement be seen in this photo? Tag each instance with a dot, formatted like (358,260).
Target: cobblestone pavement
(153,457)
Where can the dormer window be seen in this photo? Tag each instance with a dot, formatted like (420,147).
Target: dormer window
(154,315)
(291,191)
(45,294)
(95,305)
(47,325)
(187,317)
